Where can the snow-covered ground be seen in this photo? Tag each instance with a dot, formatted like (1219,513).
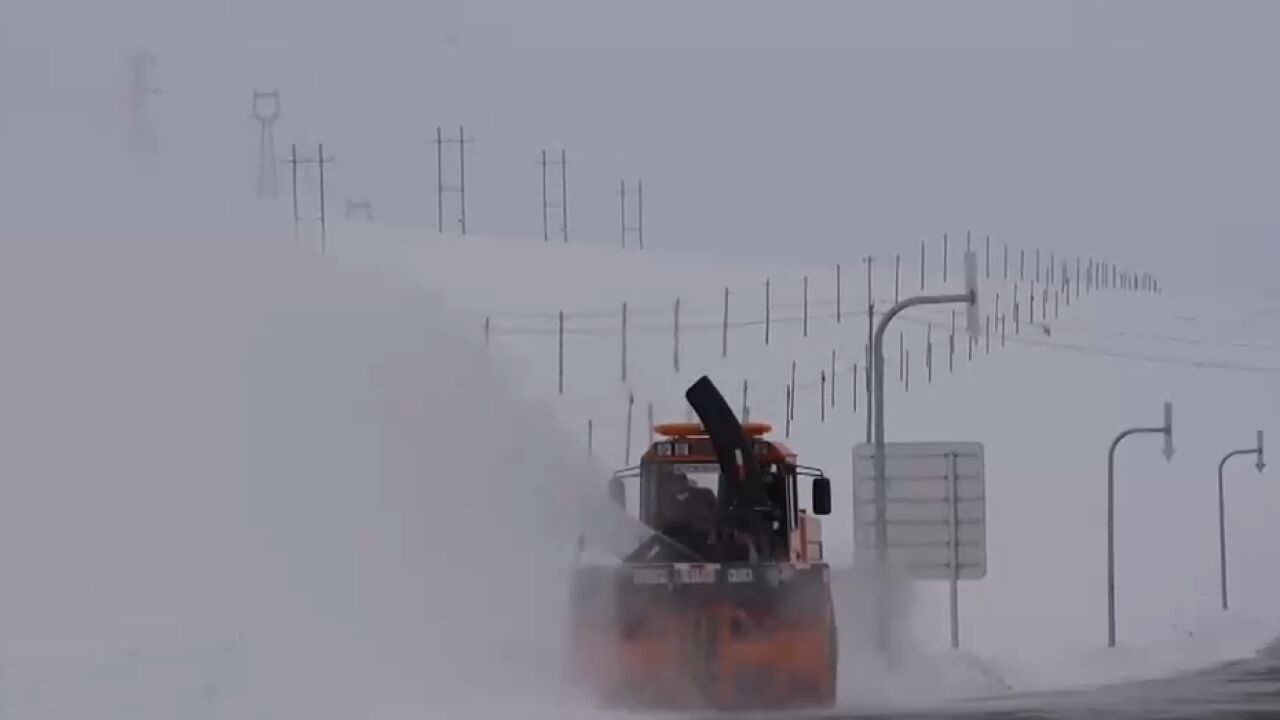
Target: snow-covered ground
(317,484)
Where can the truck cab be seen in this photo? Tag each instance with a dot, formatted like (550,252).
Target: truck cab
(682,494)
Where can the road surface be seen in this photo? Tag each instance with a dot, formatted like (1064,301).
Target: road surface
(1242,689)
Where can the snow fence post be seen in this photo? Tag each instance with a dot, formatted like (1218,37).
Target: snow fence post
(805,304)
(631,401)
(767,317)
(838,296)
(724,326)
(822,396)
(675,326)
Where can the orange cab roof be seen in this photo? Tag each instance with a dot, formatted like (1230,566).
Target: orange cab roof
(695,429)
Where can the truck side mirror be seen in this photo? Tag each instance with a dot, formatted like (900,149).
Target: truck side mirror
(618,491)
(821,495)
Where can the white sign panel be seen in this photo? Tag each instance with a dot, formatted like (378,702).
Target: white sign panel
(934,507)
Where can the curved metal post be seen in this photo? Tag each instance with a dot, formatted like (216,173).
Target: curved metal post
(1167,431)
(1222,511)
(877,408)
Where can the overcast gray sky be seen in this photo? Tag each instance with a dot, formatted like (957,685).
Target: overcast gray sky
(1144,131)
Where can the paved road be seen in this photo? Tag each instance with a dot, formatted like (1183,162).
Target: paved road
(1242,689)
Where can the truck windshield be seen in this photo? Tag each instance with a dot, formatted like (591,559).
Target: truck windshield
(704,475)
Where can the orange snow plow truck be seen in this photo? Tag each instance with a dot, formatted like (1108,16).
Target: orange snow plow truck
(727,604)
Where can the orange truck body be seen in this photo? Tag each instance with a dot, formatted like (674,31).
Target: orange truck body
(709,636)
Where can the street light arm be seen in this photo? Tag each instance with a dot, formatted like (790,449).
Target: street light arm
(877,349)
(1131,431)
(1235,453)
(911,302)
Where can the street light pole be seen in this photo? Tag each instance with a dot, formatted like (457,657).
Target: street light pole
(969,297)
(1167,431)
(1222,512)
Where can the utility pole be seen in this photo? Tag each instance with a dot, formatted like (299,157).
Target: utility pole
(638,228)
(897,277)
(923,244)
(142,138)
(324,235)
(461,188)
(548,204)
(320,160)
(266,110)
(293,161)
(946,257)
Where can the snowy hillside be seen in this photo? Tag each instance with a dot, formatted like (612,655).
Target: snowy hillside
(278,454)
(1046,400)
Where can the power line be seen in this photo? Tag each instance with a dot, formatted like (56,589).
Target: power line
(1152,358)
(1056,345)
(1085,349)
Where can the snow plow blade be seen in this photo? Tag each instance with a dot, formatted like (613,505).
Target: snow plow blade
(697,637)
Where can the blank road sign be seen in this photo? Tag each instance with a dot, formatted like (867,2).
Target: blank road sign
(901,534)
(934,507)
(920,512)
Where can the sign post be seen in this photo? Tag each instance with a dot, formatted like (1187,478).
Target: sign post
(1167,431)
(934,513)
(1222,512)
